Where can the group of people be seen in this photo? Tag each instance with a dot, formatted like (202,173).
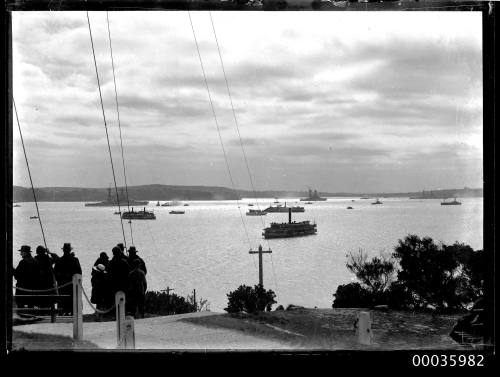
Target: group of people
(126,273)
(39,275)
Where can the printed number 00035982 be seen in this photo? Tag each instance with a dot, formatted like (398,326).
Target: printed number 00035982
(448,360)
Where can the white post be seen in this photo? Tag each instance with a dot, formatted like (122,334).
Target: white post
(120,317)
(364,328)
(77,307)
(128,333)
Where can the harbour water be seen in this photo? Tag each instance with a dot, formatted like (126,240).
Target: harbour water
(207,247)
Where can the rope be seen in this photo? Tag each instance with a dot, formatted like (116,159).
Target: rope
(217,126)
(93,307)
(44,290)
(119,124)
(106,128)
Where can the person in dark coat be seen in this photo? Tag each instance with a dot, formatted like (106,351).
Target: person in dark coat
(64,269)
(101,293)
(132,256)
(103,259)
(118,272)
(122,250)
(27,277)
(136,294)
(46,280)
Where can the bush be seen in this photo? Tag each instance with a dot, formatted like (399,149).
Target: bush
(352,295)
(161,303)
(250,300)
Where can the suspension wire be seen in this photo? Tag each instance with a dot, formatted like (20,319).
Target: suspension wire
(119,125)
(29,174)
(106,128)
(217,126)
(239,137)
(54,281)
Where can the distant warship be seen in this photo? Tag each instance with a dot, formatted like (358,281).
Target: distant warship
(313,197)
(111,201)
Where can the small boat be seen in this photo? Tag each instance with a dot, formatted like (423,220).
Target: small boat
(454,202)
(377,202)
(176,212)
(186,205)
(276,201)
(33,217)
(256,212)
(309,202)
(138,215)
(313,197)
(349,207)
(365,197)
(250,204)
(158,204)
(173,203)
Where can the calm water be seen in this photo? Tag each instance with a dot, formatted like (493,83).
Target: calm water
(207,248)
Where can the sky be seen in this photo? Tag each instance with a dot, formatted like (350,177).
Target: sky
(336,101)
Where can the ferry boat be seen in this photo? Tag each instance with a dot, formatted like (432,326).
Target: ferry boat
(290,229)
(176,212)
(280,208)
(349,207)
(454,202)
(112,202)
(173,203)
(377,202)
(138,215)
(256,212)
(313,197)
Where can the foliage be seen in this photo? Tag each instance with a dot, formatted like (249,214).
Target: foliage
(250,300)
(375,274)
(161,303)
(352,295)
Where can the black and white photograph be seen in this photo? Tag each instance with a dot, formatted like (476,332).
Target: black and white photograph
(249,177)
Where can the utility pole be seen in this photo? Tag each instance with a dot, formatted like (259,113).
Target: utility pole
(261,272)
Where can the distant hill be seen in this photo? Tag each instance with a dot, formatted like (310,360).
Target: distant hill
(167,192)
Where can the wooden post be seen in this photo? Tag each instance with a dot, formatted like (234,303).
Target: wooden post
(194,300)
(364,328)
(261,270)
(77,307)
(128,341)
(120,317)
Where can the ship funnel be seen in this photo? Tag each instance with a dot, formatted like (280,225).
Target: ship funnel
(289,215)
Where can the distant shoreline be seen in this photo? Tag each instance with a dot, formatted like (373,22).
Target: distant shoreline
(156,192)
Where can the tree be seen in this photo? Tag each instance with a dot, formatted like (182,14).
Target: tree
(375,274)
(250,300)
(431,272)
(352,295)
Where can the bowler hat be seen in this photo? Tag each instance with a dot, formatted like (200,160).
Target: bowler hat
(132,249)
(67,247)
(25,248)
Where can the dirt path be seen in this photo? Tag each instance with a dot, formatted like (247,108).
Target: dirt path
(159,333)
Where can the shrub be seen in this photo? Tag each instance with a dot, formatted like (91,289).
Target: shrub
(352,295)
(250,300)
(161,303)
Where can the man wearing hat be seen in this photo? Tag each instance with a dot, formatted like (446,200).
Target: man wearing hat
(136,294)
(132,256)
(64,269)
(118,272)
(46,280)
(26,275)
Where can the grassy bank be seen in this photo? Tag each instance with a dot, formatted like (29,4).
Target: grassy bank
(29,341)
(334,328)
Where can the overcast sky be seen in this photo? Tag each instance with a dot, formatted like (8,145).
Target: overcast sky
(338,101)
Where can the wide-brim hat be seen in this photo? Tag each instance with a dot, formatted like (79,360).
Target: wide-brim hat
(67,246)
(132,249)
(25,248)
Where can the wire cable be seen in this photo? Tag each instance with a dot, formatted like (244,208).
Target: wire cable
(106,128)
(217,126)
(119,125)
